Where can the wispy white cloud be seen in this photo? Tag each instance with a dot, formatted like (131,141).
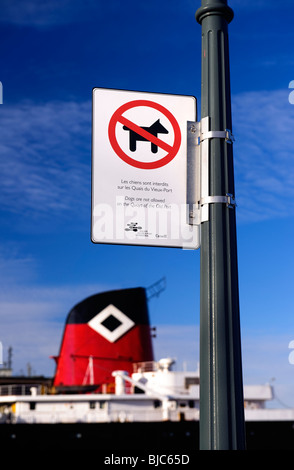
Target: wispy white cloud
(257,4)
(15,266)
(266,359)
(32,316)
(45,157)
(179,342)
(32,320)
(263,154)
(45,13)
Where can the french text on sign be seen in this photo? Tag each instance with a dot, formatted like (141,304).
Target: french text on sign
(139,169)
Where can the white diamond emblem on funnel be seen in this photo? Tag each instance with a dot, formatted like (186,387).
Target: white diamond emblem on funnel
(124,323)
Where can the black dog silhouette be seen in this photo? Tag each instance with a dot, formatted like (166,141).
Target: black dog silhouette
(155,129)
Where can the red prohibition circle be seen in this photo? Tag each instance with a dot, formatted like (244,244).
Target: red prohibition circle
(117,116)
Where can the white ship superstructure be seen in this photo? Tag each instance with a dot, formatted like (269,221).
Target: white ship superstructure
(153,393)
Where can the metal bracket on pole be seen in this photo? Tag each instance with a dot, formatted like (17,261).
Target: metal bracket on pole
(227,135)
(228,200)
(198,198)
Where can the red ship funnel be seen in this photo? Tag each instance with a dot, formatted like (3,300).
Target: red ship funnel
(105,332)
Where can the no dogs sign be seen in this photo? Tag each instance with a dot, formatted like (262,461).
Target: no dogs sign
(139,169)
(145,133)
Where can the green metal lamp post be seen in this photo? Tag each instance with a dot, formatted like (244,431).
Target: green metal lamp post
(221,387)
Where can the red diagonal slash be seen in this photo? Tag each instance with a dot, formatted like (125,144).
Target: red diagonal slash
(152,138)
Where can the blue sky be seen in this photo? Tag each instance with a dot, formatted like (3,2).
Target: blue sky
(52,54)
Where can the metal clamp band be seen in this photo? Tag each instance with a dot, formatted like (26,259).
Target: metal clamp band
(227,135)
(229,200)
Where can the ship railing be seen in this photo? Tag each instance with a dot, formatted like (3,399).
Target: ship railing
(17,389)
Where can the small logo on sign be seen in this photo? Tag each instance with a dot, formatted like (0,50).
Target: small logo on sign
(133,227)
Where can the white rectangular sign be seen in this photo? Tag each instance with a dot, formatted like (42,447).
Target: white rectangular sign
(139,169)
